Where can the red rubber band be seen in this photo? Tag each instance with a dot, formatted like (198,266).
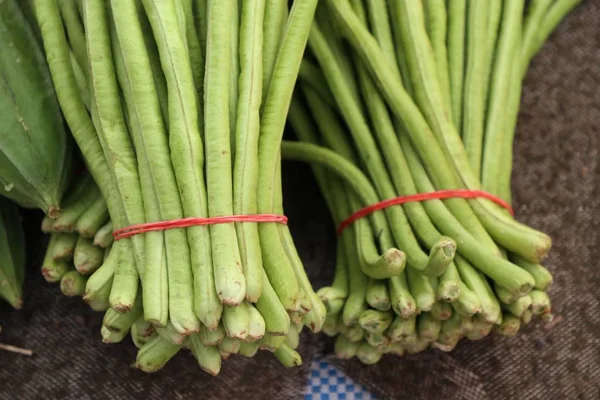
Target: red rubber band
(438,195)
(132,230)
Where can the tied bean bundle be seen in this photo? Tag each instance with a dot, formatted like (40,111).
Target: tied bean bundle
(178,109)
(406,97)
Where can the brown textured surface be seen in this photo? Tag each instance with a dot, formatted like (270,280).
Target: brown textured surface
(556,189)
(556,185)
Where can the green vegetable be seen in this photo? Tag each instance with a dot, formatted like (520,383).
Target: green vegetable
(12,254)
(35,152)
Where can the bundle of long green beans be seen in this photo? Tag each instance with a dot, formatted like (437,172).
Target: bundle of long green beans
(178,108)
(406,97)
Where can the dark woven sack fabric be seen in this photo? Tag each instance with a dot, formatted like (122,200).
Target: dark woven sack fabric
(556,185)
(556,189)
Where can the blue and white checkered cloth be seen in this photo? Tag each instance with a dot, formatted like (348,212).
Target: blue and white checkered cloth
(326,382)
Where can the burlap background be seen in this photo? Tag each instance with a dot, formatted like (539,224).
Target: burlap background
(556,189)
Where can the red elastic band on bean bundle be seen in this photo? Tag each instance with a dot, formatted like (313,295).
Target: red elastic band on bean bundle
(438,195)
(132,230)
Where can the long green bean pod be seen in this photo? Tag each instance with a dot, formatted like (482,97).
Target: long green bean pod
(229,345)
(72,284)
(169,333)
(277,320)
(379,22)
(276,104)
(236,321)
(490,307)
(52,269)
(122,322)
(287,356)
(327,26)
(375,321)
(249,349)
(357,282)
(208,357)
(421,289)
(343,348)
(195,50)
(540,302)
(155,354)
(403,303)
(428,327)
(117,147)
(541,276)
(367,354)
(495,129)
(315,317)
(334,296)
(103,237)
(492,32)
(401,328)
(436,22)
(211,338)
(468,303)
(536,11)
(142,332)
(92,219)
(99,284)
(245,174)
(354,333)
(448,288)
(61,246)
(377,295)
(519,307)
(481,328)
(185,140)
(332,325)
(229,273)
(527,316)
(473,123)
(256,325)
(75,33)
(457,37)
(275,16)
(376,339)
(509,326)
(86,257)
(200,8)
(441,310)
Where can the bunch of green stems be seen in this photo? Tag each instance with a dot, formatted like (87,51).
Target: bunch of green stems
(407,97)
(178,108)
